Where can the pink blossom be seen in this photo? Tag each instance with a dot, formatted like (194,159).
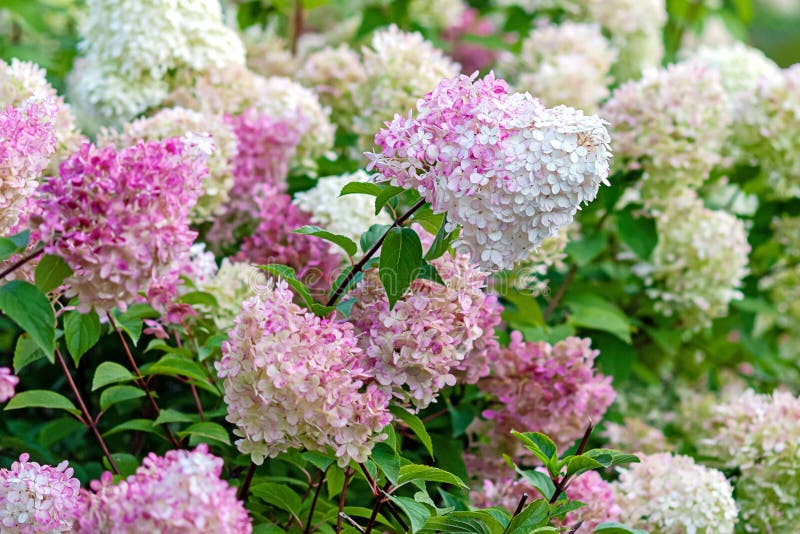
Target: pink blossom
(434,336)
(8,382)
(274,242)
(548,388)
(471,56)
(38,498)
(120,219)
(293,380)
(180,492)
(27,140)
(504,168)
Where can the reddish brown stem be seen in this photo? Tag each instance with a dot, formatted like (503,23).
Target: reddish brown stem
(19,263)
(245,487)
(87,417)
(139,380)
(348,473)
(297,24)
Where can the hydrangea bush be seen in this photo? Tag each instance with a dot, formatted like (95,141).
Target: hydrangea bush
(405,267)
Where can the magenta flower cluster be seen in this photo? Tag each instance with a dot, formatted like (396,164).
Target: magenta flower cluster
(120,219)
(434,336)
(293,380)
(27,140)
(548,388)
(507,170)
(273,241)
(180,492)
(38,498)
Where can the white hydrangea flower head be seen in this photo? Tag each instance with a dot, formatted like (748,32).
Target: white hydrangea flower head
(760,434)
(570,6)
(177,122)
(400,68)
(440,14)
(334,74)
(137,43)
(235,90)
(350,215)
(635,435)
(231,285)
(671,494)
(567,63)
(267,53)
(766,130)
(698,264)
(636,28)
(23,80)
(673,124)
(202,265)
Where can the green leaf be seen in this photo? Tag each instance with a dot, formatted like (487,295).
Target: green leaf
(592,311)
(534,515)
(50,273)
(577,465)
(441,243)
(347,244)
(81,331)
(388,460)
(429,272)
(27,306)
(387,194)
(173,365)
(609,457)
(206,431)
(525,311)
(130,321)
(415,424)
(288,274)
(617,528)
(110,373)
(41,398)
(195,298)
(417,513)
(540,481)
(539,444)
(168,415)
(361,188)
(372,235)
(278,495)
(583,251)
(135,425)
(58,429)
(639,233)
(401,258)
(27,352)
(477,521)
(413,472)
(13,245)
(117,394)
(335,482)
(127,463)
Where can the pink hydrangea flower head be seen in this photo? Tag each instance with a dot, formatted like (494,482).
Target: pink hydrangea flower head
(294,380)
(506,170)
(27,140)
(120,219)
(435,336)
(273,242)
(38,498)
(548,388)
(8,383)
(266,146)
(180,492)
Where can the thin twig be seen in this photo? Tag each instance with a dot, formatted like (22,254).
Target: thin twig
(521,505)
(372,485)
(348,473)
(574,529)
(371,252)
(19,263)
(139,380)
(562,484)
(245,487)
(560,293)
(376,508)
(87,417)
(351,521)
(297,25)
(307,529)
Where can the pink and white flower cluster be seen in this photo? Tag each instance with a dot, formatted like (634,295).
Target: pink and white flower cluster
(27,140)
(507,170)
(38,498)
(433,336)
(293,380)
(179,492)
(120,219)
(546,388)
(8,384)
